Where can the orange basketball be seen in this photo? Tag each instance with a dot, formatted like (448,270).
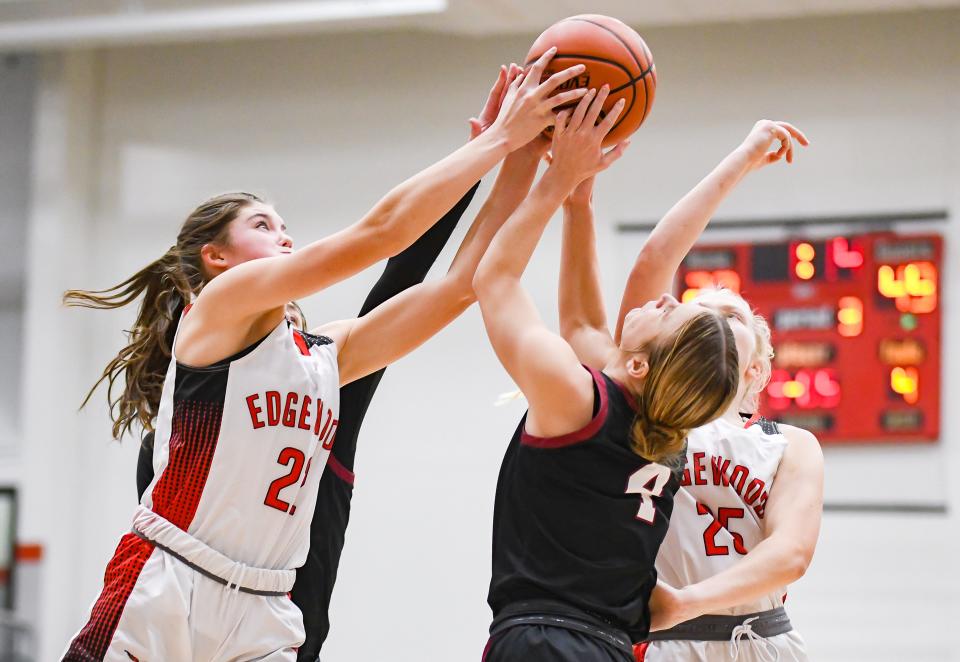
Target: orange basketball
(614,54)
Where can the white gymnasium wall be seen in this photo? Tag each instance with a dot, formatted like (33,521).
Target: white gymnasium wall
(17,94)
(128,140)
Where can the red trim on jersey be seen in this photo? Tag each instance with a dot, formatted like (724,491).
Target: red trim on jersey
(118,581)
(300,342)
(339,470)
(584,433)
(193,439)
(630,397)
(186,309)
(640,651)
(753,419)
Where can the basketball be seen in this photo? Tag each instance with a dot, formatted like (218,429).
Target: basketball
(614,54)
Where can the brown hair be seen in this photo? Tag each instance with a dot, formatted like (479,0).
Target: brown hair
(167,284)
(692,378)
(723,299)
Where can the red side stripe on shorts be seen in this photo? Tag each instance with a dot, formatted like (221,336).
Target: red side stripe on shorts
(122,572)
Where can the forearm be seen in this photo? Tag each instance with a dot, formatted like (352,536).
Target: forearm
(580,295)
(676,233)
(513,246)
(770,566)
(411,266)
(510,188)
(410,208)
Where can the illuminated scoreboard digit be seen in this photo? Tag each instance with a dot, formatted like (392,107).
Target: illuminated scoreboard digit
(855,324)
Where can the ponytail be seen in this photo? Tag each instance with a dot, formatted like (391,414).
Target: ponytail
(657,442)
(692,379)
(143,362)
(167,285)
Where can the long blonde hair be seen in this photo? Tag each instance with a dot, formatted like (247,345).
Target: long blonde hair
(167,285)
(692,378)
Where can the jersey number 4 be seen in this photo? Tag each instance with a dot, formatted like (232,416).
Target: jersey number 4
(648,481)
(287,456)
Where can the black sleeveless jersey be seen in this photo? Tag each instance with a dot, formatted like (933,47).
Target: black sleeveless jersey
(579,518)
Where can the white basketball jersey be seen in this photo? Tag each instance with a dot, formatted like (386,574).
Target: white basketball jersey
(240,447)
(718,511)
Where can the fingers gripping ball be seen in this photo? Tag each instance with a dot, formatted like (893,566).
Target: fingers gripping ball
(614,54)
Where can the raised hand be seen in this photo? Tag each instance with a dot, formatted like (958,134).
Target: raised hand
(576,153)
(758,144)
(528,106)
(491,108)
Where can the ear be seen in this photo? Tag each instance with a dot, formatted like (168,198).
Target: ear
(753,371)
(213,259)
(638,366)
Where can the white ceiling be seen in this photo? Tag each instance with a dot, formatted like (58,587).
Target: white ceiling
(44,24)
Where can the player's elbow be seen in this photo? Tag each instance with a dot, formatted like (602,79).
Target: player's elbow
(460,289)
(796,560)
(388,227)
(483,279)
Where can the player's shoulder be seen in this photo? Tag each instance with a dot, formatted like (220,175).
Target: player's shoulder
(333,333)
(792,432)
(802,442)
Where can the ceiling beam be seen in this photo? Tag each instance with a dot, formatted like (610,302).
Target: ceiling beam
(202,22)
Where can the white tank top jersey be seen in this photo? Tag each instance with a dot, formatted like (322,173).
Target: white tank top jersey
(718,511)
(240,447)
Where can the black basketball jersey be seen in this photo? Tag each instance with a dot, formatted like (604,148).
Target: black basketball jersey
(579,518)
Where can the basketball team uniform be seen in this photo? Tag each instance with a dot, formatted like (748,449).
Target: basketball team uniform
(206,571)
(578,520)
(717,519)
(315,579)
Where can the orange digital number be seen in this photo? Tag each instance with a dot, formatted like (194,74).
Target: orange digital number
(913,286)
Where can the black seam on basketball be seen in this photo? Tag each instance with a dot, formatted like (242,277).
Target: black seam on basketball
(617,37)
(643,74)
(641,77)
(631,81)
(646,99)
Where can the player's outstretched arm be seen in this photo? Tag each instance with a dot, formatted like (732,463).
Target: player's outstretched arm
(791,528)
(583,317)
(397,220)
(313,589)
(406,321)
(675,234)
(542,364)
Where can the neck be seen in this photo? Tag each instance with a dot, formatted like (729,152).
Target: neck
(617,371)
(732,413)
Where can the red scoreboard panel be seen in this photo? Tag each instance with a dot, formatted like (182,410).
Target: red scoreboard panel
(856,329)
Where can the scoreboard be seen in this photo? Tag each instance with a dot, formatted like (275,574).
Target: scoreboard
(855,324)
